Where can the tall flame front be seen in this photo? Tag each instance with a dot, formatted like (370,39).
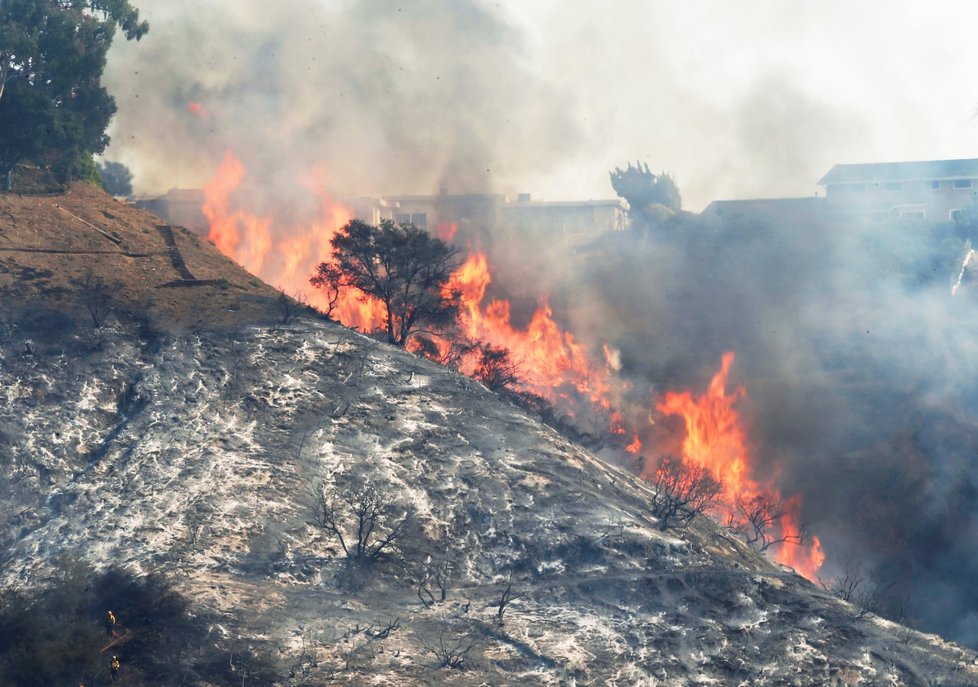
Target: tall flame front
(285,258)
(548,357)
(716,440)
(550,360)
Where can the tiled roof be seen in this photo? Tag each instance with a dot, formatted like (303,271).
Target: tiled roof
(902,171)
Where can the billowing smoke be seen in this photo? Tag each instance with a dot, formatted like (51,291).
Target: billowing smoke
(862,372)
(408,97)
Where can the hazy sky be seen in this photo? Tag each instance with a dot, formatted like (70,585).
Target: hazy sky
(736,99)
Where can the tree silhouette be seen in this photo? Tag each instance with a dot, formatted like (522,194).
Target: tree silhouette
(402,266)
(645,191)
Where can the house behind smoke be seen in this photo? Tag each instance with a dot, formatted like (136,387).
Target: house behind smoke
(568,223)
(933,190)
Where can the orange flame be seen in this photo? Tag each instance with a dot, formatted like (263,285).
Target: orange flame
(284,258)
(548,357)
(716,439)
(714,436)
(805,560)
(446,231)
(551,362)
(618,423)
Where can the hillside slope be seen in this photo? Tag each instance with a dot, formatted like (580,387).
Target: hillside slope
(198,455)
(50,245)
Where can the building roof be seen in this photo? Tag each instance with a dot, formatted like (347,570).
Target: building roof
(786,205)
(604,202)
(901,171)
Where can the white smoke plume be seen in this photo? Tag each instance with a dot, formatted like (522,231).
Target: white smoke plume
(409,97)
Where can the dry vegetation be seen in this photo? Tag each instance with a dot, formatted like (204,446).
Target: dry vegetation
(49,244)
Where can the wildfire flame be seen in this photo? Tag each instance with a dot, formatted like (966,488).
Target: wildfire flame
(550,360)
(716,439)
(446,231)
(548,357)
(284,258)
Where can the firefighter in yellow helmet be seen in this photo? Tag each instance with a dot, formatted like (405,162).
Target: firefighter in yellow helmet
(114,667)
(110,624)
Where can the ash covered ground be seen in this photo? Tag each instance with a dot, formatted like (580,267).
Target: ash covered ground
(197,455)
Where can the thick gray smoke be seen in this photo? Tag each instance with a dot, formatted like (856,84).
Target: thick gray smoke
(862,372)
(408,97)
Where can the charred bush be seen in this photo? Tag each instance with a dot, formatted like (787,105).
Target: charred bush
(289,308)
(433,581)
(759,520)
(368,523)
(682,491)
(95,300)
(496,369)
(548,414)
(450,654)
(506,597)
(857,586)
(538,558)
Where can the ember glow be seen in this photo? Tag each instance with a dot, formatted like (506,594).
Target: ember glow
(717,440)
(197,110)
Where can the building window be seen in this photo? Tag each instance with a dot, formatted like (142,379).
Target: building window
(935,185)
(857,188)
(962,183)
(419,219)
(893,186)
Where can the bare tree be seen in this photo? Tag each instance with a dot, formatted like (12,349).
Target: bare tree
(367,523)
(329,279)
(433,578)
(682,491)
(505,599)
(758,519)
